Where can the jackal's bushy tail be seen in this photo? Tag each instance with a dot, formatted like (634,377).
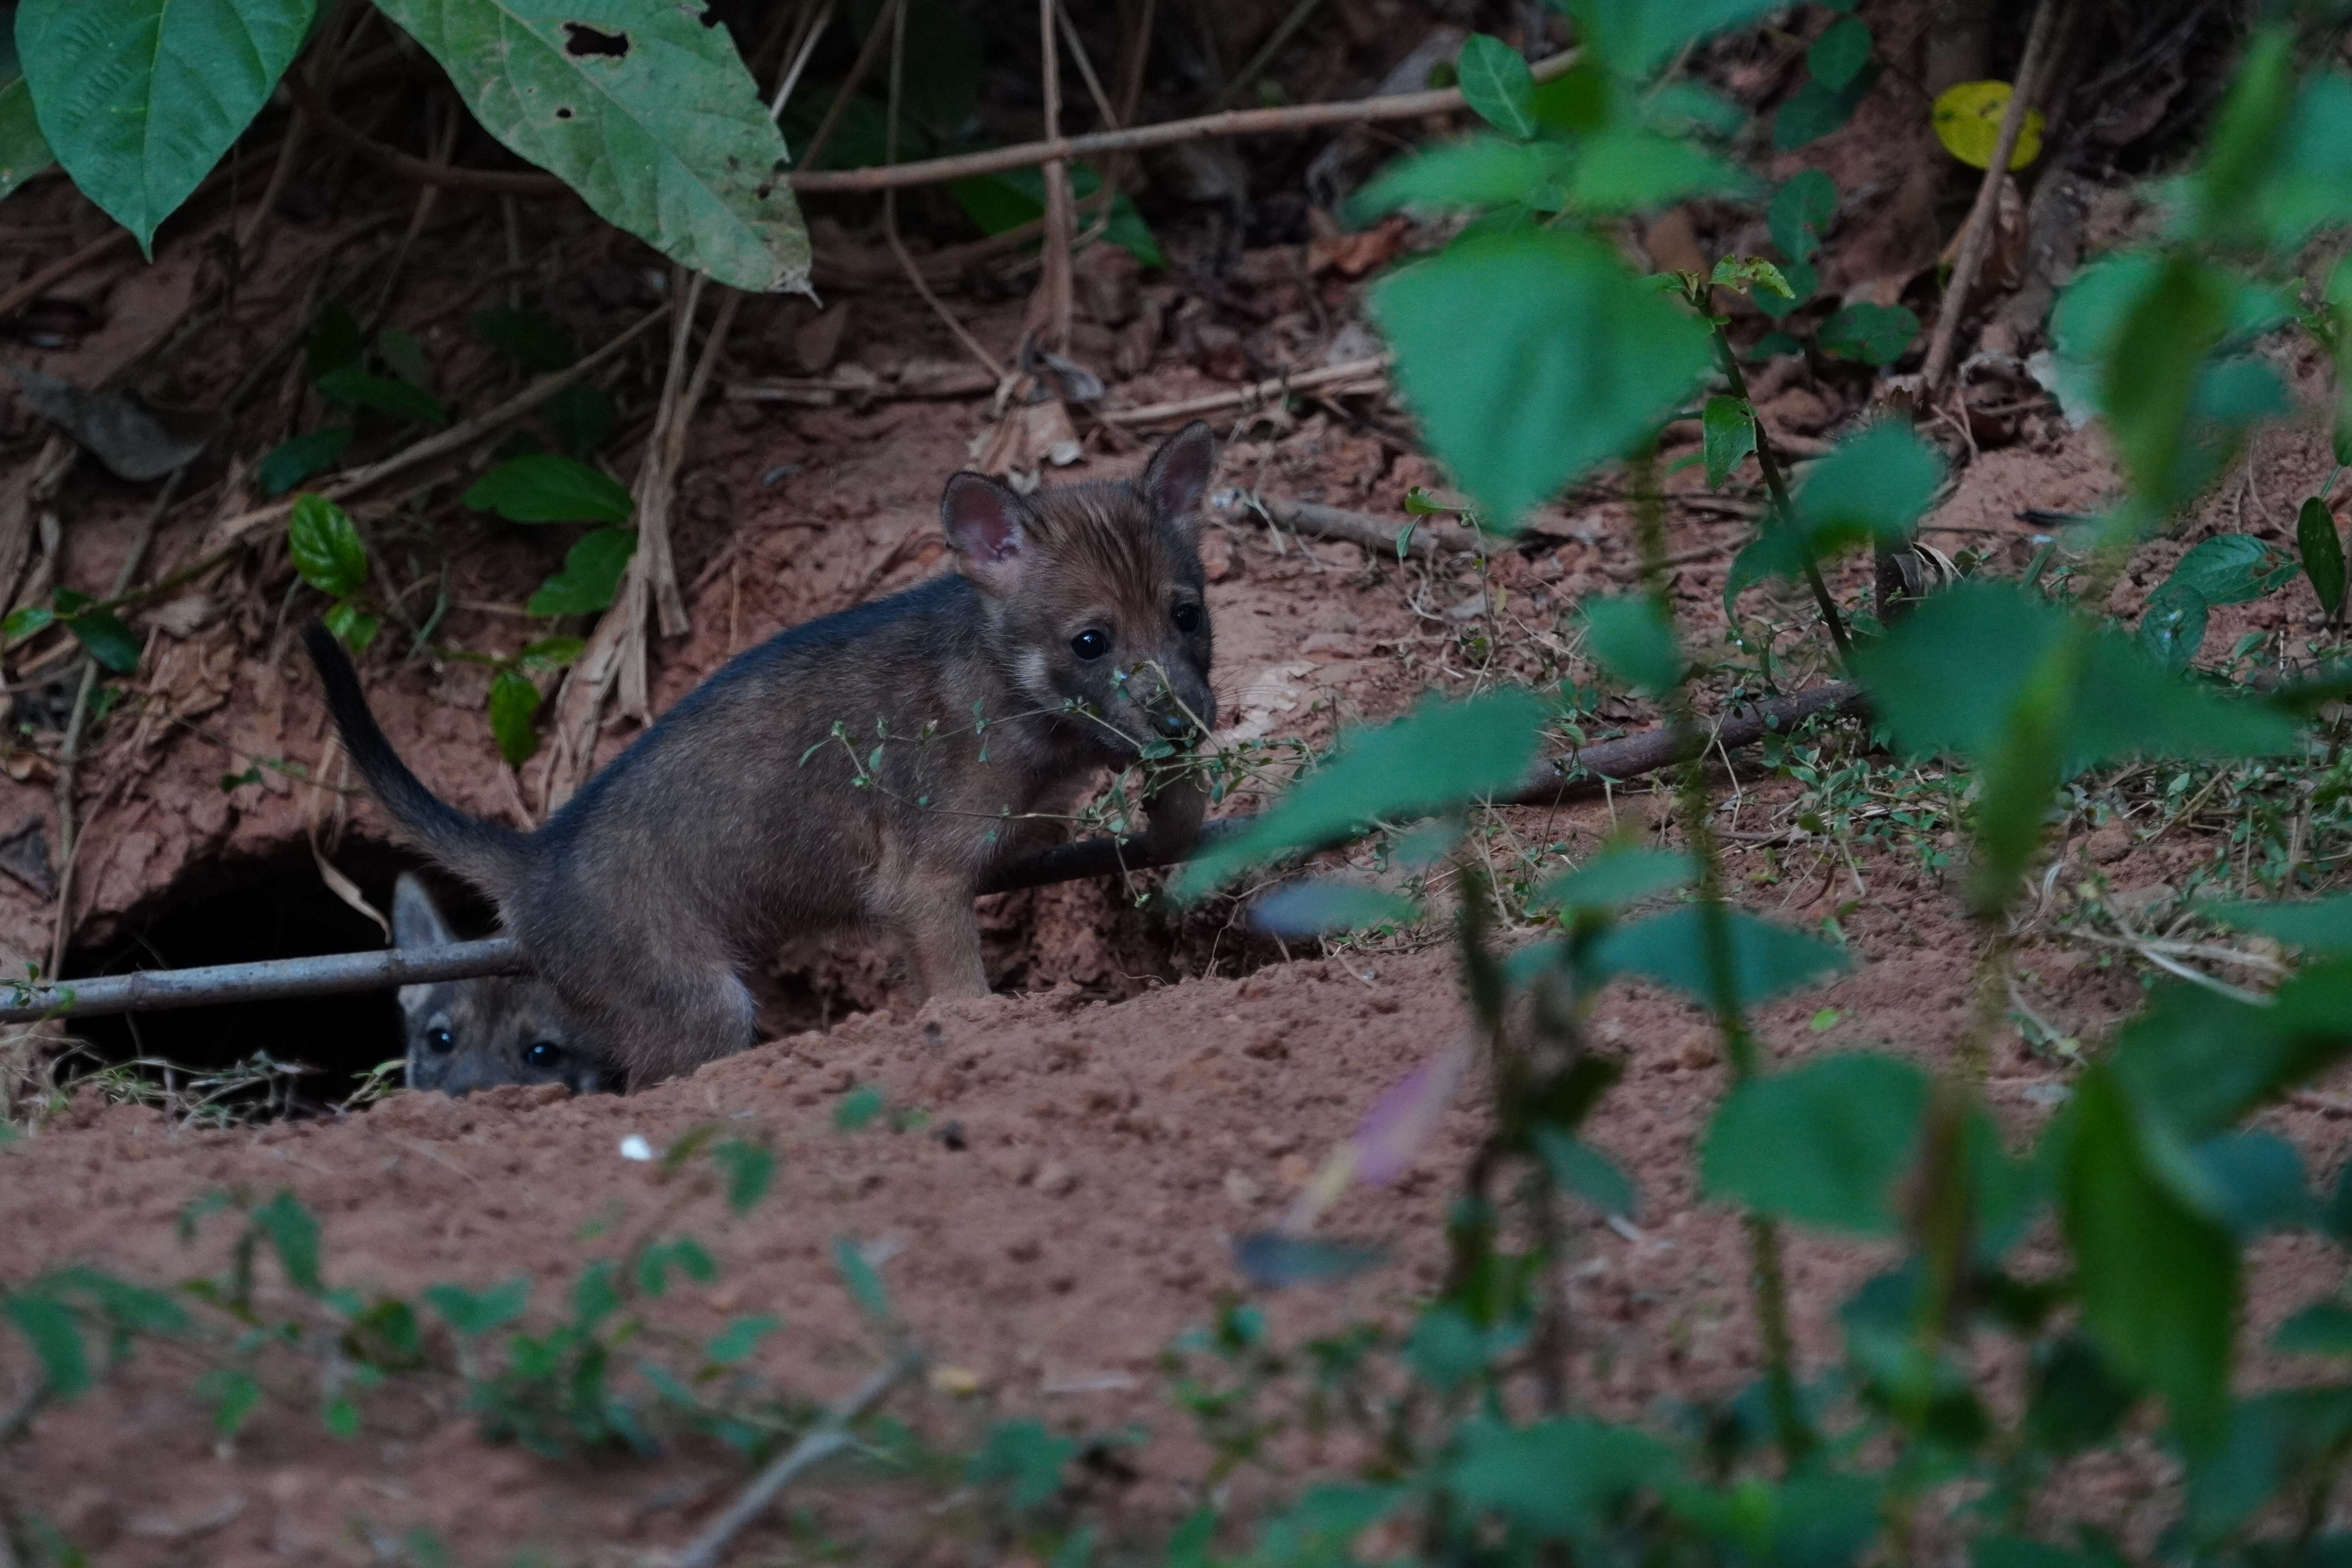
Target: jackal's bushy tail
(485,854)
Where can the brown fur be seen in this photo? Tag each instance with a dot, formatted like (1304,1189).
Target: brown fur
(868,768)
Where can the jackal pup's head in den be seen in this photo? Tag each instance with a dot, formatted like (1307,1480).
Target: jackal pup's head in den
(465,1034)
(1095,591)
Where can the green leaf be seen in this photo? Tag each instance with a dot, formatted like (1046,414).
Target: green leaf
(1753,274)
(2200,1061)
(1636,37)
(23,152)
(356,388)
(532,339)
(26,619)
(858,1109)
(865,1286)
(1624,169)
(2173,627)
(48,1327)
(1766,959)
(2251,1183)
(1495,81)
(2322,1329)
(2273,1441)
(1838,56)
(1951,676)
(2013,1551)
(139,99)
(1440,755)
(352,625)
(2307,183)
(1634,643)
(1816,109)
(1477,172)
(2158,1279)
(1026,1454)
(545,488)
(1614,879)
(640,106)
(110,642)
(290,464)
(2322,550)
(405,354)
(2232,568)
(591,575)
(1804,283)
(1870,490)
(1874,334)
(1560,1479)
(233,1394)
(1314,909)
(475,1313)
(1273,1261)
(292,1232)
(1801,213)
(1826,1145)
(2322,927)
(750,1168)
(514,705)
(1531,357)
(325,546)
(552,653)
(1577,1167)
(2075,1401)
(737,1340)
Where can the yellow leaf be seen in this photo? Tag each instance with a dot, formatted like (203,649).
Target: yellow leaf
(1967,122)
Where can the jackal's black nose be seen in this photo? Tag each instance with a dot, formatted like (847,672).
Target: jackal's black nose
(1175,725)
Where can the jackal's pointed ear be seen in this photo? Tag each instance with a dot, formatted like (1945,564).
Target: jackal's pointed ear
(983,523)
(1178,474)
(415,918)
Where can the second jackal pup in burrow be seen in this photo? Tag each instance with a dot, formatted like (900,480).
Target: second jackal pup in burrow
(868,768)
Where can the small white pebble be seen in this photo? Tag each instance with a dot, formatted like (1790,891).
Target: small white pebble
(634,1147)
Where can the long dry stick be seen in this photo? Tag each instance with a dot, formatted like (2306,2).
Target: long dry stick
(1255,395)
(869,54)
(453,439)
(1049,311)
(1576,775)
(829,1436)
(938,171)
(1976,235)
(964,334)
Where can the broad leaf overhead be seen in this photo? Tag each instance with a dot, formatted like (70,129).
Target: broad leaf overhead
(139,99)
(642,109)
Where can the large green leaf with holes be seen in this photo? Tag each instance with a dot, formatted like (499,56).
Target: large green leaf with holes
(645,110)
(139,99)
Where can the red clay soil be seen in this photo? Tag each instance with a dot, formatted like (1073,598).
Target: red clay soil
(1119,1121)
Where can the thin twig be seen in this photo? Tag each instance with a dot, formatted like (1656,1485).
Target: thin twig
(69,755)
(334,974)
(1775,482)
(1265,52)
(870,53)
(800,62)
(1049,308)
(1255,395)
(829,1436)
(964,334)
(1230,122)
(1976,234)
(456,438)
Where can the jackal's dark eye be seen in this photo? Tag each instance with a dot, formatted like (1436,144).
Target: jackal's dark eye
(1090,644)
(1188,618)
(544,1055)
(440,1041)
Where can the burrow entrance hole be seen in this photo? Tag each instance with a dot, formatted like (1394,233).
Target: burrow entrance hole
(271,906)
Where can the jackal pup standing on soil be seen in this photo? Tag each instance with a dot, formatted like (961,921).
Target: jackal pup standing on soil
(868,768)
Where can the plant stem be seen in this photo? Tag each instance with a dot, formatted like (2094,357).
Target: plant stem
(1775,482)
(1794,1436)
